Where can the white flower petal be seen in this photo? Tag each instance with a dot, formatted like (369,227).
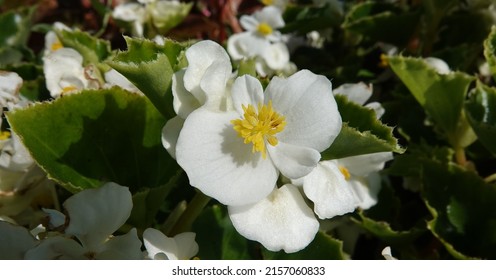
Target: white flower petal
(63,68)
(366,189)
(202,57)
(307,103)
(248,22)
(15,241)
(246,90)
(184,102)
(114,78)
(97,213)
(293,161)
(377,107)
(280,221)
(439,65)
(246,45)
(270,15)
(123,247)
(326,186)
(219,163)
(186,245)
(276,56)
(358,93)
(10,84)
(363,165)
(56,219)
(170,133)
(158,243)
(386,253)
(56,248)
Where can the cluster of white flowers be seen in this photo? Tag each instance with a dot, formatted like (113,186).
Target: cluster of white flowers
(262,41)
(65,73)
(234,140)
(94,215)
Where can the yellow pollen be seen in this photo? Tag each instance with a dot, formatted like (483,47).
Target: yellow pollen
(56,45)
(267,2)
(264,29)
(383,63)
(68,89)
(345,172)
(4,135)
(258,126)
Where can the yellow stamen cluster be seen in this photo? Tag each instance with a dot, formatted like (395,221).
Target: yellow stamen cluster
(258,126)
(56,45)
(69,89)
(345,172)
(264,29)
(4,135)
(384,62)
(267,2)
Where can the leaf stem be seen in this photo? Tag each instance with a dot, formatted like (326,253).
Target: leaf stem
(490,178)
(460,157)
(193,210)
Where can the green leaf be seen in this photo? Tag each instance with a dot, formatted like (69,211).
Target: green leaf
(150,67)
(441,96)
(361,133)
(481,114)
(302,19)
(463,210)
(85,139)
(92,49)
(380,21)
(147,203)
(490,51)
(323,247)
(383,231)
(16,26)
(217,238)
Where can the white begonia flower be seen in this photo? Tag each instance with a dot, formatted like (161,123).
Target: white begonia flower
(235,156)
(360,93)
(282,220)
(205,82)
(52,42)
(10,84)
(263,23)
(160,247)
(94,215)
(438,64)
(361,173)
(15,241)
(386,253)
(64,72)
(135,13)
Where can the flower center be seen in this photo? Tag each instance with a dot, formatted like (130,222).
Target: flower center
(69,89)
(264,29)
(56,45)
(267,2)
(258,127)
(345,172)
(4,135)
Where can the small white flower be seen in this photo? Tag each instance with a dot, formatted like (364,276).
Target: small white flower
(135,13)
(438,64)
(360,93)
(94,215)
(235,156)
(386,253)
(52,42)
(282,220)
(10,84)
(160,247)
(263,23)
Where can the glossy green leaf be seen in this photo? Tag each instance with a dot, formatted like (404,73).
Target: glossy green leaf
(85,139)
(303,19)
(92,49)
(150,67)
(361,133)
(217,237)
(441,96)
(323,247)
(380,21)
(481,114)
(463,210)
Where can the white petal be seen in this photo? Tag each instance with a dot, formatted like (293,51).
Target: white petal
(363,165)
(186,245)
(156,242)
(97,213)
(270,15)
(327,188)
(246,90)
(184,102)
(10,84)
(307,103)
(377,107)
(206,56)
(246,45)
(280,221)
(276,56)
(56,248)
(14,241)
(386,253)
(114,78)
(123,247)
(63,68)
(170,133)
(366,189)
(293,161)
(248,22)
(56,219)
(358,93)
(219,163)
(439,65)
